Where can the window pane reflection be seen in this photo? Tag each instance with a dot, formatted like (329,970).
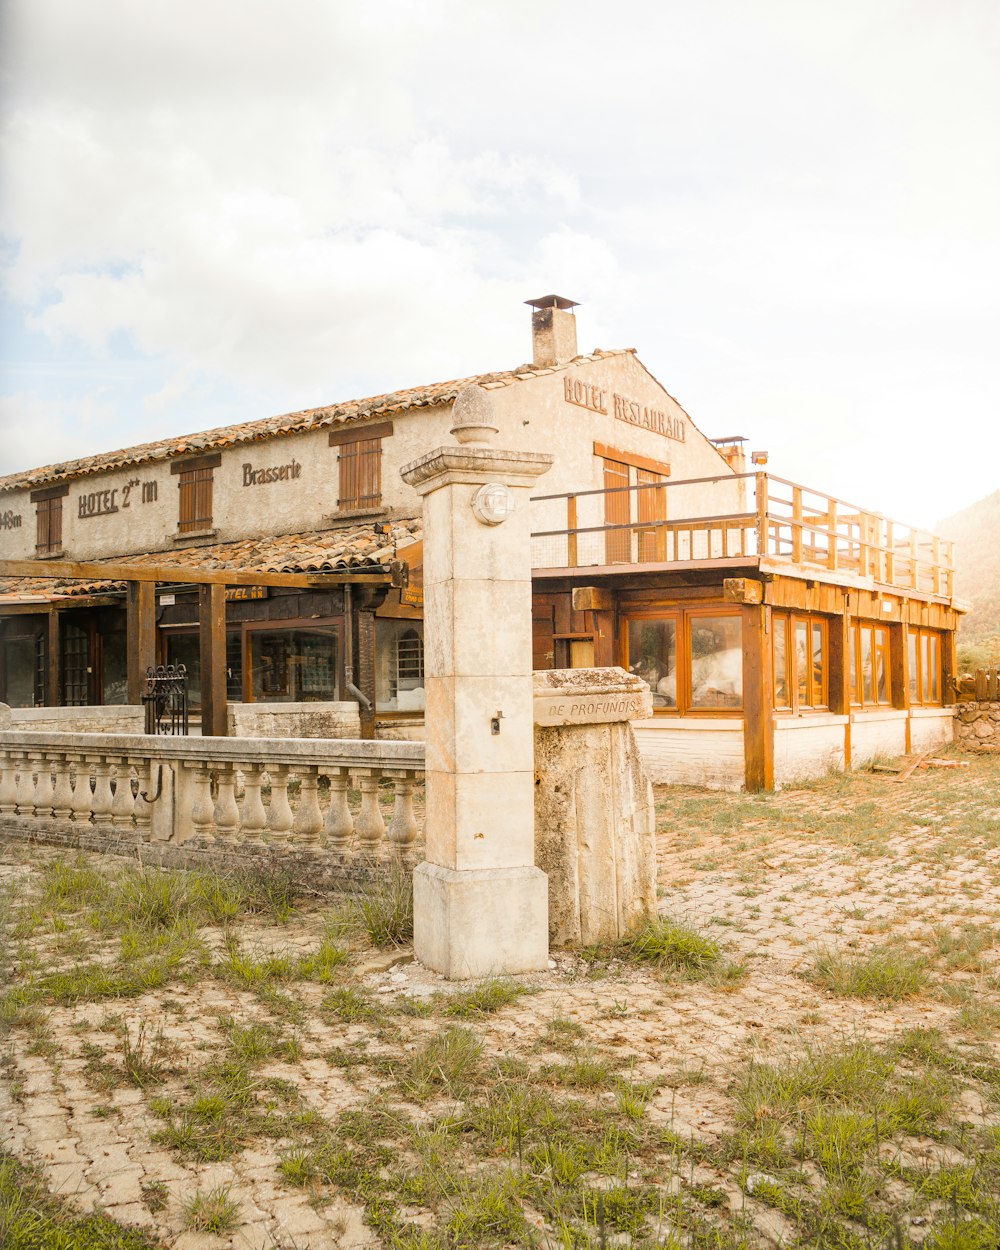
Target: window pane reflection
(716,661)
(652,655)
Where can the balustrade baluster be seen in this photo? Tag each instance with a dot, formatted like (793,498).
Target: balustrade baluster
(339,821)
(8,784)
(308,822)
(403,826)
(123,806)
(254,812)
(144,771)
(62,795)
(82,794)
(43,788)
(370,825)
(202,808)
(25,785)
(103,801)
(227,813)
(279,819)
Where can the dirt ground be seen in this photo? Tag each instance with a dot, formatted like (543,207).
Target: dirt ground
(805,1052)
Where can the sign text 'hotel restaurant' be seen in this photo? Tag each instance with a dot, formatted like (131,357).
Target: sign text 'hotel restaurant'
(596,399)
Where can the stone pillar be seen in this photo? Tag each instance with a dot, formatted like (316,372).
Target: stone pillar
(480,904)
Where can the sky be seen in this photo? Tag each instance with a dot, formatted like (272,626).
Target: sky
(217,210)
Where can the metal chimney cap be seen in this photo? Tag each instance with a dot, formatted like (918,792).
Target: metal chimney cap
(552,301)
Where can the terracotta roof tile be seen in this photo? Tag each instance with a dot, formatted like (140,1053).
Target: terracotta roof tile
(319,551)
(289,423)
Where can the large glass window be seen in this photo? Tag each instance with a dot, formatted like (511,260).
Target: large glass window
(399,665)
(293,665)
(801,665)
(716,661)
(689,660)
(925,666)
(870,683)
(184,648)
(652,655)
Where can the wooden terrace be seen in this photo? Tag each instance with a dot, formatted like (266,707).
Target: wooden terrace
(771,524)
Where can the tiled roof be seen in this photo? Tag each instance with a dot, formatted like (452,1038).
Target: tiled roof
(290,423)
(351,547)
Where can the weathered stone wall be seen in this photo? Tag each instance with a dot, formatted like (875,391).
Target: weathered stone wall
(294,720)
(122,719)
(978,724)
(594,821)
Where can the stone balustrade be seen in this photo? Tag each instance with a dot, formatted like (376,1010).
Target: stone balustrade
(209,793)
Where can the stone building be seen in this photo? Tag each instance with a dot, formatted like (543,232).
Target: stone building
(780,630)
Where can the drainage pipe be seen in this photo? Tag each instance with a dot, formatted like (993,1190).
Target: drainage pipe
(352,689)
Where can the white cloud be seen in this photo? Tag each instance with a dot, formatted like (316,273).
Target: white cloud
(790,210)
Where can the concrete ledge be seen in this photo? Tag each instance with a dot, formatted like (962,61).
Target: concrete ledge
(478,922)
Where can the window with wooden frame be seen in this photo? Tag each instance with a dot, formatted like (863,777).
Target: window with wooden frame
(359,453)
(925,666)
(627,475)
(801,661)
(49,519)
(691,659)
(870,681)
(194,485)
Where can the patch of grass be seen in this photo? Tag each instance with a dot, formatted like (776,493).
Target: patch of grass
(887,974)
(33,1219)
(211,1212)
(445,1063)
(351,1005)
(385,909)
(487,997)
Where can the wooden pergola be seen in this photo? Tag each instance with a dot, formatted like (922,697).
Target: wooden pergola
(141,581)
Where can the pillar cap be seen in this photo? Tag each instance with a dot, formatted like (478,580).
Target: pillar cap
(476,466)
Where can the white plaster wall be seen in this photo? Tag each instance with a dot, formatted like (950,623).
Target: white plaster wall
(877,733)
(693,752)
(931,727)
(533,415)
(807,746)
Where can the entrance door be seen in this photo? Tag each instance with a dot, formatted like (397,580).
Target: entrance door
(75,664)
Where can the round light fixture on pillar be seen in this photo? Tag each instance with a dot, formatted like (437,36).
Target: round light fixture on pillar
(492,503)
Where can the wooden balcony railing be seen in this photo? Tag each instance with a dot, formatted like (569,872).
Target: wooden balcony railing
(736,517)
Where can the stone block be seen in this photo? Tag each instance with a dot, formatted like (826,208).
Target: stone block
(472,924)
(465,632)
(460,714)
(479,821)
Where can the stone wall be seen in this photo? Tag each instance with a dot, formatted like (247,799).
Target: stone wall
(294,720)
(123,719)
(978,724)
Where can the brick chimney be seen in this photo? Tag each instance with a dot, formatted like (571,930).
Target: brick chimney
(553,330)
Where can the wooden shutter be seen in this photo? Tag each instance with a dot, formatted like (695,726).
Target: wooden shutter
(49,533)
(360,457)
(195,501)
(617,543)
(651,506)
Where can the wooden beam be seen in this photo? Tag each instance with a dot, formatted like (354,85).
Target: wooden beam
(605,643)
(212,648)
(52,659)
(949,666)
(179,574)
(140,636)
(758,698)
(593,599)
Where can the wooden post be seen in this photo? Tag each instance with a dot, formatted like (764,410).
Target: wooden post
(571,523)
(796,524)
(762,535)
(899,673)
(212,640)
(949,667)
(140,635)
(890,555)
(833,555)
(758,698)
(605,643)
(52,659)
(936,555)
(840,673)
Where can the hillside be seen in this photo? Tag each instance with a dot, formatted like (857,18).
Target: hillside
(976,531)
